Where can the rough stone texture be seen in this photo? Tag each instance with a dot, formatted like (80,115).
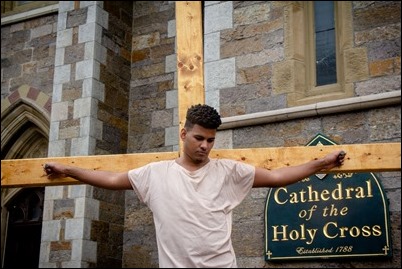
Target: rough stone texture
(27,55)
(376,14)
(115,75)
(135,115)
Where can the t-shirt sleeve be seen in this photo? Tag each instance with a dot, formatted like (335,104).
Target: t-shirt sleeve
(240,182)
(140,181)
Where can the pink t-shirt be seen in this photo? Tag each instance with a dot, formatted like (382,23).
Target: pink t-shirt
(192,211)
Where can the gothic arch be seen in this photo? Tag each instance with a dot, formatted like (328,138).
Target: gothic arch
(25,120)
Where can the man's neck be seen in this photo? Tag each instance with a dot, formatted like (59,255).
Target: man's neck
(190,164)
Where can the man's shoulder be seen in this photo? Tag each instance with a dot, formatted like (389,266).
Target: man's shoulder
(155,165)
(224,161)
(162,163)
(229,162)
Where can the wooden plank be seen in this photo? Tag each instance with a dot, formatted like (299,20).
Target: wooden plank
(190,59)
(359,158)
(29,172)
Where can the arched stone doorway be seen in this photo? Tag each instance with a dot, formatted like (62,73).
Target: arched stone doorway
(24,134)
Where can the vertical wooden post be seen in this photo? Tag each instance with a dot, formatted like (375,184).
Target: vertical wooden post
(190,58)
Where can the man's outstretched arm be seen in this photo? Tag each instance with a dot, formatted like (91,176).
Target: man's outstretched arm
(103,179)
(287,175)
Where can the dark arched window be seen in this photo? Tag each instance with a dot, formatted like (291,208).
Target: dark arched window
(24,229)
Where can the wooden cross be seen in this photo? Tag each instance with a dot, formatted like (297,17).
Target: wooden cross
(360,158)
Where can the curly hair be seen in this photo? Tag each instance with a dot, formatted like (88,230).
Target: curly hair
(204,116)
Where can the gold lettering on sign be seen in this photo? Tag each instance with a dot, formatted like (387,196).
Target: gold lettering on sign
(281,195)
(331,229)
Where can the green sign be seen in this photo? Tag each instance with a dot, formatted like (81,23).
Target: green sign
(334,215)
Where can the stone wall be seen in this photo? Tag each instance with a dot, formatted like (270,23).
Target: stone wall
(27,54)
(115,75)
(110,68)
(151,109)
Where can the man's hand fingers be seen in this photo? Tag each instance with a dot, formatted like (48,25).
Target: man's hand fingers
(48,169)
(341,157)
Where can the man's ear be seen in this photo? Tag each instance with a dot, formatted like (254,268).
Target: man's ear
(183,133)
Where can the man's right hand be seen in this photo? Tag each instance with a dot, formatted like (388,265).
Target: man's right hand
(54,170)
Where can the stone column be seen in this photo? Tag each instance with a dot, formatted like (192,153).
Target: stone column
(74,128)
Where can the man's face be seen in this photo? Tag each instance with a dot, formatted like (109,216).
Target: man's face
(198,142)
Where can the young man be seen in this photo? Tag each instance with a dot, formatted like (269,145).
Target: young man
(192,197)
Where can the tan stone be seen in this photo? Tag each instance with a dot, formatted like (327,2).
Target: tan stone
(356,67)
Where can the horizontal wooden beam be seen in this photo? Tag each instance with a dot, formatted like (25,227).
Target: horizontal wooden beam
(30,173)
(359,158)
